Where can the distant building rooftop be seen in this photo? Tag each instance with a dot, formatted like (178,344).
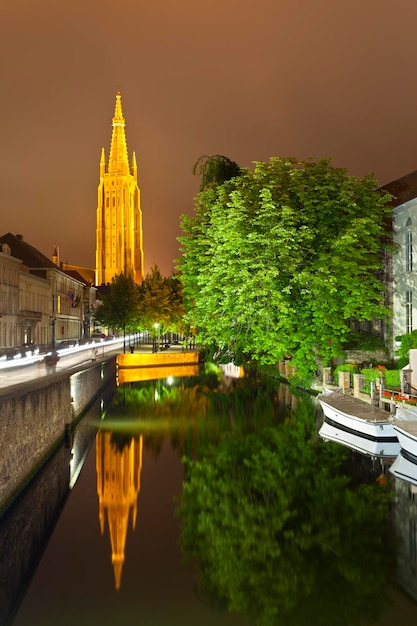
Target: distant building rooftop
(30,256)
(85,274)
(403,189)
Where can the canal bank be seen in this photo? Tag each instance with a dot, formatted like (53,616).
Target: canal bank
(35,417)
(41,404)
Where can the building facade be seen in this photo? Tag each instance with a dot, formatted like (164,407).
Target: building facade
(39,302)
(9,300)
(119,239)
(405,269)
(404,260)
(34,325)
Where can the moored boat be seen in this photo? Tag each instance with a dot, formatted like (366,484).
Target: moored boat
(355,416)
(355,441)
(406,431)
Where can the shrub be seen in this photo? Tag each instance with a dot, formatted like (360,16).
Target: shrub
(402,362)
(345,367)
(392,377)
(408,342)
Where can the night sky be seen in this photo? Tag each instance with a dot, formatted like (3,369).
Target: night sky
(245,79)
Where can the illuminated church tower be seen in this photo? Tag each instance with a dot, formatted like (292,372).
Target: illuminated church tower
(119,240)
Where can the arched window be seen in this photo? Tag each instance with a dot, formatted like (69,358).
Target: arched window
(408,252)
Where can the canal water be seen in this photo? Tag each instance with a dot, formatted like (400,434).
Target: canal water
(208,499)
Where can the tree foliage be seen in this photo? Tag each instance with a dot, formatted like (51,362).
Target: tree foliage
(277,260)
(119,308)
(408,342)
(161,301)
(128,306)
(215,170)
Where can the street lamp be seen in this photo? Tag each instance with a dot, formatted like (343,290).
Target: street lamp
(52,358)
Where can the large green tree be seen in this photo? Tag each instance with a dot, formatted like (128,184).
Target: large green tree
(119,307)
(276,261)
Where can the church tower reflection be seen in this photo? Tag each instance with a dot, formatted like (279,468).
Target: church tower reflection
(118,465)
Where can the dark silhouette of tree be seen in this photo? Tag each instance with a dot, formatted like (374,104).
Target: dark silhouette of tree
(215,170)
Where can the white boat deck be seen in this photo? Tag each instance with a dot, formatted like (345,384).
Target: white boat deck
(408,426)
(355,407)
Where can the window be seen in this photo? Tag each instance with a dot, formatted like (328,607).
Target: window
(408,311)
(408,252)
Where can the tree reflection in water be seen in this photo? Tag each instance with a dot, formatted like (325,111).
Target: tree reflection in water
(282,533)
(280,529)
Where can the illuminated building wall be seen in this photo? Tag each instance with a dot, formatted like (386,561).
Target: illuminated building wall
(119,239)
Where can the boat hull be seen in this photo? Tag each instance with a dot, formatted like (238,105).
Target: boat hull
(407,436)
(368,446)
(357,417)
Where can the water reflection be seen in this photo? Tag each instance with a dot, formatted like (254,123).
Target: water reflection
(399,473)
(118,466)
(276,520)
(28,523)
(283,527)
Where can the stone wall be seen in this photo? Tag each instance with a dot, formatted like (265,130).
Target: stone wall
(34,418)
(362,357)
(24,528)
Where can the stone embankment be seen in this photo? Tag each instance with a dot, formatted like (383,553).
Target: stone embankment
(35,416)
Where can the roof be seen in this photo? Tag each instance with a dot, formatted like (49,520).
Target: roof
(103,290)
(75,274)
(30,256)
(403,189)
(85,274)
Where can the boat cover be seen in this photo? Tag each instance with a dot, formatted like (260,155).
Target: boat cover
(406,412)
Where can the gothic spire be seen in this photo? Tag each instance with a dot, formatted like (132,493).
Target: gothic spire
(118,159)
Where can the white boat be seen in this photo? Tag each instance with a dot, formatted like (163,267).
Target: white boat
(406,431)
(405,427)
(356,441)
(357,417)
(404,468)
